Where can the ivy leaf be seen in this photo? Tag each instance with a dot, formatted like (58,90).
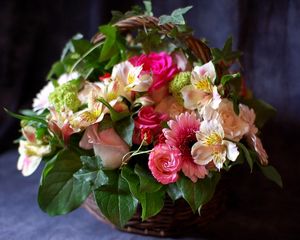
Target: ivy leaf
(199,193)
(226,54)
(108,49)
(176,16)
(59,192)
(174,191)
(246,153)
(124,128)
(148,8)
(69,47)
(147,181)
(272,174)
(91,171)
(115,199)
(227,78)
(151,203)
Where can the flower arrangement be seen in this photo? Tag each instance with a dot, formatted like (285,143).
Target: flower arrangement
(134,118)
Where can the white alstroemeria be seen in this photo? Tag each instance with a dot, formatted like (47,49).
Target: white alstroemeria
(95,109)
(211,146)
(201,91)
(234,126)
(130,78)
(248,115)
(41,102)
(30,156)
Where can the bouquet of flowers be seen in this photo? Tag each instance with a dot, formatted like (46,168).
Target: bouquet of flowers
(131,119)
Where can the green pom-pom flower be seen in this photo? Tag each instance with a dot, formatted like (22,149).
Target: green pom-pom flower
(65,96)
(181,80)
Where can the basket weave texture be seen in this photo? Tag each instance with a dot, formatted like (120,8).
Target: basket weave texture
(176,218)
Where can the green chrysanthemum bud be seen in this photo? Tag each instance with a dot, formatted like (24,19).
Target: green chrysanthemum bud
(65,96)
(181,80)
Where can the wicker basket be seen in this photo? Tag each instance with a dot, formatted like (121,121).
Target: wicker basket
(176,218)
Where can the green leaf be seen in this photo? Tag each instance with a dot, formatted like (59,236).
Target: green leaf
(27,118)
(246,153)
(148,8)
(115,199)
(108,49)
(147,182)
(81,46)
(59,192)
(226,78)
(174,191)
(115,116)
(125,129)
(151,203)
(69,47)
(199,193)
(176,16)
(263,111)
(91,171)
(226,54)
(272,174)
(56,70)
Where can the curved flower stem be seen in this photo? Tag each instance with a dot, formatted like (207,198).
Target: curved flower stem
(85,55)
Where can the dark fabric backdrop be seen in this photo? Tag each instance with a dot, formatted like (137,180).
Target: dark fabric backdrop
(32,34)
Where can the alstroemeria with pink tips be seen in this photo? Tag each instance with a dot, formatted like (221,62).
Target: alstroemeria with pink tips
(31,151)
(201,91)
(130,78)
(211,145)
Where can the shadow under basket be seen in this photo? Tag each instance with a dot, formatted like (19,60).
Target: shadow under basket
(174,220)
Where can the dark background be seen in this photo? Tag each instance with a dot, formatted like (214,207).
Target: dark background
(33,33)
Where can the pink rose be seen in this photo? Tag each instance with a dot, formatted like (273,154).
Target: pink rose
(165,163)
(107,144)
(159,64)
(149,121)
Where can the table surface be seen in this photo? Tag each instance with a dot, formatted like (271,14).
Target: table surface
(258,210)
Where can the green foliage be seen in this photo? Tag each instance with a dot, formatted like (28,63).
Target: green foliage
(115,116)
(243,150)
(174,191)
(124,128)
(59,192)
(176,16)
(272,174)
(225,55)
(148,8)
(199,193)
(229,77)
(91,172)
(34,118)
(115,200)
(150,197)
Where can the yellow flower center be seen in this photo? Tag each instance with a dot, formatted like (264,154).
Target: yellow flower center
(130,78)
(204,85)
(213,139)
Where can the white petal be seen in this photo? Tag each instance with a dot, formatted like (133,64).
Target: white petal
(232,150)
(216,99)
(202,155)
(207,69)
(191,97)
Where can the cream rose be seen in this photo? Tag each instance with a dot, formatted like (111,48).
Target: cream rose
(107,144)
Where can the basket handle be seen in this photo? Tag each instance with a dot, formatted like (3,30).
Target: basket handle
(199,49)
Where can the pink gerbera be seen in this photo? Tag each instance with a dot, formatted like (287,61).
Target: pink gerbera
(182,135)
